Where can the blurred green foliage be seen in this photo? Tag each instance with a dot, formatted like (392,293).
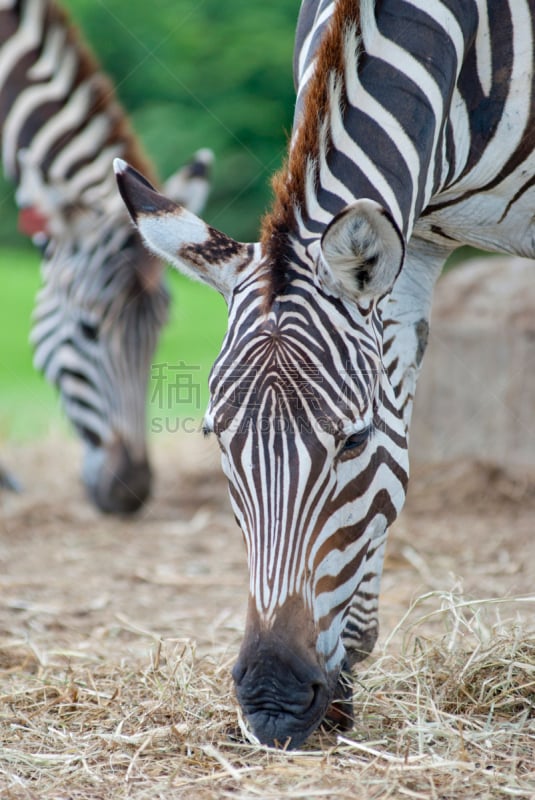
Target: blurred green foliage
(199,73)
(27,404)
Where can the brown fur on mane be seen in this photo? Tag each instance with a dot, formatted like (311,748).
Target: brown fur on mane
(104,96)
(290,182)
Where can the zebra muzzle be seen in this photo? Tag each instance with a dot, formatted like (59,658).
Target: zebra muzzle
(284,698)
(281,683)
(114,481)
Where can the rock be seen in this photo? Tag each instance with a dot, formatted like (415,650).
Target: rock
(476,392)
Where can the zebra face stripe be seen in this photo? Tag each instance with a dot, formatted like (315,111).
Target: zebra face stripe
(314,452)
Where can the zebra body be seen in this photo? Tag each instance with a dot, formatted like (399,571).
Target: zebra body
(103,301)
(413,134)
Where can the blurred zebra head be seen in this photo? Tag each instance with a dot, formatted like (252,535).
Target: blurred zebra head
(311,437)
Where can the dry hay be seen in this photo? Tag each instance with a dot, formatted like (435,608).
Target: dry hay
(451,716)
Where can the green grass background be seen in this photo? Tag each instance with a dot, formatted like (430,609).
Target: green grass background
(29,407)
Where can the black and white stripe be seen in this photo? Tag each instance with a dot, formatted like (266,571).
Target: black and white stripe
(413,134)
(103,302)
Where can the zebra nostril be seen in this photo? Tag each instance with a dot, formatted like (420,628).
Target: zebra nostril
(318,690)
(239,671)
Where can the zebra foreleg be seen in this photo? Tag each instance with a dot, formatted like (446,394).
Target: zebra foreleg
(362,621)
(406,319)
(340,714)
(359,637)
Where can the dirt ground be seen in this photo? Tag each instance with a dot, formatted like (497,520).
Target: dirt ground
(83,586)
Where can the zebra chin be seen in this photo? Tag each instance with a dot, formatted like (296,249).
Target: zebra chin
(116,483)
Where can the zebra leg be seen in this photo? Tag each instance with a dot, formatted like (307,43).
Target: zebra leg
(406,314)
(362,622)
(360,634)
(340,715)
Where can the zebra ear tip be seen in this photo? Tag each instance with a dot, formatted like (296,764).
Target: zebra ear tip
(205,155)
(126,173)
(122,170)
(139,196)
(119,166)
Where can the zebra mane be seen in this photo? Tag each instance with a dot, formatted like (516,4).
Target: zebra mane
(311,141)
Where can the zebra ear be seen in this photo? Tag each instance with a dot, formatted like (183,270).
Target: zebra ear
(190,185)
(178,236)
(363,249)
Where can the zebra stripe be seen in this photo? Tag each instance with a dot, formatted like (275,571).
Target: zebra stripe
(414,133)
(103,303)
(268,493)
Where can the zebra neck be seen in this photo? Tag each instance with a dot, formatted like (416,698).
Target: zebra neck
(372,107)
(60,118)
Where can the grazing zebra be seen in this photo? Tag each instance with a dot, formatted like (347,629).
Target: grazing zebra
(103,302)
(414,133)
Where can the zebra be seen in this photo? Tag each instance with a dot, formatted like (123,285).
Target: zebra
(103,300)
(413,134)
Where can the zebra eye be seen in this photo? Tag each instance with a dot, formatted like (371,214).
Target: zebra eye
(355,443)
(207,425)
(89,331)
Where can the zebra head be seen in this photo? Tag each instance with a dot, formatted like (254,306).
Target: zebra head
(311,438)
(95,328)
